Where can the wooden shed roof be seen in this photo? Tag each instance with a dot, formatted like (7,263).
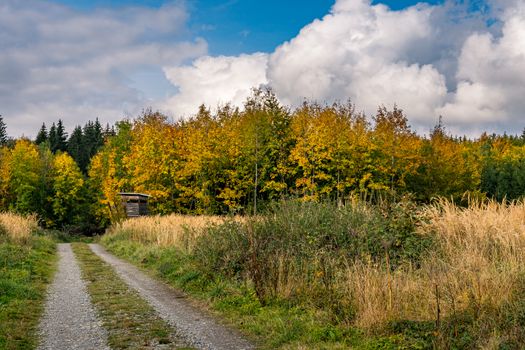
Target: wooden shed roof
(132,194)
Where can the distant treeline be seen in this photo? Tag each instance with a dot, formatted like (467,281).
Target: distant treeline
(235,161)
(83,143)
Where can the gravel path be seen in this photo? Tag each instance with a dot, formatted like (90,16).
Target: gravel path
(69,320)
(200,330)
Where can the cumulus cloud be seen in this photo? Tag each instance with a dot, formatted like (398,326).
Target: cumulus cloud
(491,77)
(215,81)
(359,52)
(56,62)
(429,60)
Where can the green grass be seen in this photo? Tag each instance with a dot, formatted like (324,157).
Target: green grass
(131,322)
(276,325)
(25,272)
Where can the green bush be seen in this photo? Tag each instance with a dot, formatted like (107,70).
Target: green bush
(223,249)
(309,243)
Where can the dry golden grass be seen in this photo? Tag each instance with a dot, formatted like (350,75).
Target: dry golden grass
(18,227)
(477,264)
(171,230)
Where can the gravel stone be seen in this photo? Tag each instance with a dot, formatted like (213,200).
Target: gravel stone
(69,320)
(198,329)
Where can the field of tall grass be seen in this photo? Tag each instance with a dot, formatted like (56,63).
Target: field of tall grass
(470,283)
(439,276)
(17,227)
(172,230)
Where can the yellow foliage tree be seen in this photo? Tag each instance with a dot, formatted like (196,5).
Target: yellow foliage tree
(24,180)
(153,159)
(5,175)
(68,183)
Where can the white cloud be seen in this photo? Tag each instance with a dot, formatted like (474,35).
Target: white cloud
(56,62)
(215,81)
(491,76)
(359,51)
(429,60)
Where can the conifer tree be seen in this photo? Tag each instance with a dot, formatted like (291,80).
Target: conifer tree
(93,138)
(61,137)
(53,138)
(42,135)
(75,148)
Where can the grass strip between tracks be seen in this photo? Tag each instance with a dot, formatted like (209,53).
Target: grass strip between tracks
(131,322)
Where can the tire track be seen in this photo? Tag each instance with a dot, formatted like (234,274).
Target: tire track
(200,330)
(70,321)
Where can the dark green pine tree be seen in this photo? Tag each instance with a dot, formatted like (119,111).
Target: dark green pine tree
(3,132)
(42,135)
(52,138)
(75,147)
(98,138)
(61,137)
(93,138)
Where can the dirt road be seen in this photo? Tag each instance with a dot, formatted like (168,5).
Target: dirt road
(70,321)
(198,329)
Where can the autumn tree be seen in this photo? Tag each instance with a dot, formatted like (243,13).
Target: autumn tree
(5,177)
(395,150)
(108,174)
(24,180)
(447,168)
(67,190)
(151,160)
(330,145)
(3,132)
(202,157)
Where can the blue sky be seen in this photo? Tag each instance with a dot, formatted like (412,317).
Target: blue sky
(242,26)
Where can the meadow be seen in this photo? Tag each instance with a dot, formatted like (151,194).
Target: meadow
(308,227)
(379,276)
(27,262)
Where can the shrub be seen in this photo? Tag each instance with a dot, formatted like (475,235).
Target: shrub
(298,250)
(223,249)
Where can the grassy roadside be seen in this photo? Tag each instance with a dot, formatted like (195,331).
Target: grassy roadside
(26,269)
(276,325)
(374,276)
(131,322)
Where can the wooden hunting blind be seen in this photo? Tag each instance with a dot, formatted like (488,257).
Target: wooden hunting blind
(136,204)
